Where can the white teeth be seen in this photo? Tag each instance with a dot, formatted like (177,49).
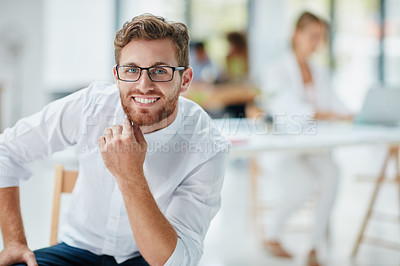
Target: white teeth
(145,100)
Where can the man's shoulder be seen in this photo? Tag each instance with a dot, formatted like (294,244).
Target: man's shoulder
(192,113)
(189,107)
(197,125)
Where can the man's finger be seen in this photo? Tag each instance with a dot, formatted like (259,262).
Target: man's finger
(31,261)
(108,134)
(101,141)
(127,128)
(117,130)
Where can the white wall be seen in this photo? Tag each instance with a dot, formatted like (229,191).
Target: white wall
(21,73)
(78,40)
(167,9)
(268,34)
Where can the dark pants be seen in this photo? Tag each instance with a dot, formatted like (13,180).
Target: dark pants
(63,255)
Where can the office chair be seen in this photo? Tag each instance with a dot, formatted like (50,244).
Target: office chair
(64,183)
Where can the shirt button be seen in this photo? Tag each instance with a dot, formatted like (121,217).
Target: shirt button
(114,217)
(110,240)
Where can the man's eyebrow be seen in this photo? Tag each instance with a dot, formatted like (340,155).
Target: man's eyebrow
(161,64)
(155,64)
(130,64)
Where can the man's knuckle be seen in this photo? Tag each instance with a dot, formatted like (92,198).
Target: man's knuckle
(127,137)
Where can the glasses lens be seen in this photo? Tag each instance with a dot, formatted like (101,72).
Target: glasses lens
(161,73)
(129,73)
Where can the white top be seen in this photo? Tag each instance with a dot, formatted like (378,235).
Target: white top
(184,168)
(284,89)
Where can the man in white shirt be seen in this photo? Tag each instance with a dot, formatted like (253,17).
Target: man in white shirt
(151,163)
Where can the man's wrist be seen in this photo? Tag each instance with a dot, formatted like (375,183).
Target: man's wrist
(16,242)
(134,180)
(17,237)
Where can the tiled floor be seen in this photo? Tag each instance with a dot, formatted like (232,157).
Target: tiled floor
(232,239)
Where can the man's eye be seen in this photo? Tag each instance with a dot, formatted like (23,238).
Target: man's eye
(159,71)
(132,70)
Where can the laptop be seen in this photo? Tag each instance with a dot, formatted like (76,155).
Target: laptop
(381,107)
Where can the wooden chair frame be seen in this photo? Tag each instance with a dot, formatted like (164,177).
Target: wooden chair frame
(64,183)
(393,154)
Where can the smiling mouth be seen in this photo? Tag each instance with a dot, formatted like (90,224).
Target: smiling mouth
(145,100)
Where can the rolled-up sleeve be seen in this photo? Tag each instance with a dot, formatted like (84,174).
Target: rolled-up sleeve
(194,204)
(38,136)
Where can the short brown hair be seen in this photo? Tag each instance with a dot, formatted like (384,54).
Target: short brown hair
(237,39)
(307,18)
(150,27)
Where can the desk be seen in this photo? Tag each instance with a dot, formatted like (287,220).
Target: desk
(251,137)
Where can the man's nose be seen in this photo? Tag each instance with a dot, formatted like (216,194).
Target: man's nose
(144,82)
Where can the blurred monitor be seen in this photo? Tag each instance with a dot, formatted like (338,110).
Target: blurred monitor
(381,106)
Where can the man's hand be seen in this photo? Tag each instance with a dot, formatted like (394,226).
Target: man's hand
(123,149)
(17,253)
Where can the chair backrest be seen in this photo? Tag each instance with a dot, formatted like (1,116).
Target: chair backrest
(64,183)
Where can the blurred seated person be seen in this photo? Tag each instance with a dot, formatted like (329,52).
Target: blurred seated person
(301,88)
(237,61)
(296,84)
(220,94)
(237,68)
(204,70)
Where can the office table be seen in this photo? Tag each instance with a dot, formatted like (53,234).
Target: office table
(251,137)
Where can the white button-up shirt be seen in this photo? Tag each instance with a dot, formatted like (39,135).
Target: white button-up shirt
(184,168)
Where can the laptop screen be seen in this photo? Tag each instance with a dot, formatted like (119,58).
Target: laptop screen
(381,106)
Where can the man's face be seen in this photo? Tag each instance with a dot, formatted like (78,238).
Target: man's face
(151,105)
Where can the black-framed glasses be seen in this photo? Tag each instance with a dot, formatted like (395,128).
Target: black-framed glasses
(156,73)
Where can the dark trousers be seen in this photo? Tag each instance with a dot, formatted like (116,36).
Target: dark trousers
(63,255)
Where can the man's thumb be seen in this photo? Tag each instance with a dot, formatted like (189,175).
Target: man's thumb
(31,261)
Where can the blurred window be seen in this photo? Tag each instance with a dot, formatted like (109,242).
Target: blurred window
(392,43)
(211,20)
(356,48)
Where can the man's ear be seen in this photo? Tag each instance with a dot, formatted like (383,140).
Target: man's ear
(187,78)
(115,73)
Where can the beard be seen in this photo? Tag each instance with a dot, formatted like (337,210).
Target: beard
(146,117)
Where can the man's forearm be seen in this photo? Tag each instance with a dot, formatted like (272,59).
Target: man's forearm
(154,235)
(10,216)
(123,149)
